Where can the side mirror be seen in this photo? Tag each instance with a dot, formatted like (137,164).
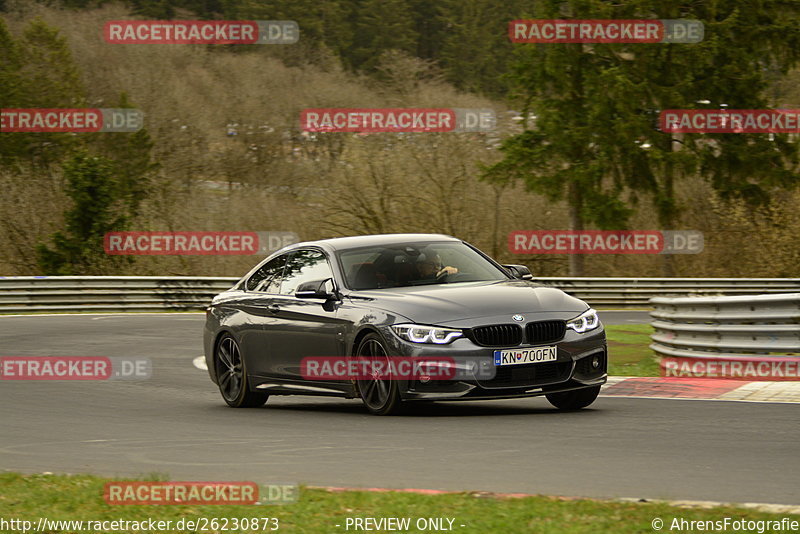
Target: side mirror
(519,271)
(315,289)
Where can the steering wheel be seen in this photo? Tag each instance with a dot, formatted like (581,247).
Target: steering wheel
(455,277)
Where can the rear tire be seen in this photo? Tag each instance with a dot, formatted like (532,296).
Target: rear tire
(569,401)
(380,396)
(232,376)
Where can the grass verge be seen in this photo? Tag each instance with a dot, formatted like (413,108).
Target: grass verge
(629,353)
(78,498)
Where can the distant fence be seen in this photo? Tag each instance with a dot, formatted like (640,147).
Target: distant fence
(24,294)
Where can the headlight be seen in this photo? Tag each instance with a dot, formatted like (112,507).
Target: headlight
(426,334)
(586,321)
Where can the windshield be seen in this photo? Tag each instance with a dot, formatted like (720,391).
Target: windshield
(415,264)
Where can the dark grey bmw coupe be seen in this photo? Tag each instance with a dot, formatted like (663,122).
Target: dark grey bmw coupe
(408,298)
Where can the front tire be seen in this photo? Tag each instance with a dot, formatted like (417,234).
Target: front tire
(569,401)
(232,376)
(379,394)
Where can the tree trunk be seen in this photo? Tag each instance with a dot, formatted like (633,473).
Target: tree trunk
(576,261)
(498,193)
(666,211)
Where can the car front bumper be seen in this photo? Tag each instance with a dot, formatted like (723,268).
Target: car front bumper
(571,370)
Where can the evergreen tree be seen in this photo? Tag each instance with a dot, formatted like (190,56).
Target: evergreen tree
(381,26)
(37,71)
(475,50)
(99,205)
(597,106)
(131,154)
(153,9)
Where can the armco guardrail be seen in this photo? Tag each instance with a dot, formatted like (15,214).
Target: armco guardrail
(154,293)
(108,293)
(637,292)
(727,327)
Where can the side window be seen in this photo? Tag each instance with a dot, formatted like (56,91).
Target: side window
(268,278)
(304,266)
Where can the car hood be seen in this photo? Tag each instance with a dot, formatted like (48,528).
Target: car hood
(445,303)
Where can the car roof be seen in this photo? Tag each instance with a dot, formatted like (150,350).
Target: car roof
(344,243)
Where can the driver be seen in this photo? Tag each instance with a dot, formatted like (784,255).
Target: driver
(430,266)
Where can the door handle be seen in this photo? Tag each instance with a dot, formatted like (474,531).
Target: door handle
(274,308)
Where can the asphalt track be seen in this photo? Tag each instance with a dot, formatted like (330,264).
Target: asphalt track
(176,424)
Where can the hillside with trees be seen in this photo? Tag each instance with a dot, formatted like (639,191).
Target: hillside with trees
(222,149)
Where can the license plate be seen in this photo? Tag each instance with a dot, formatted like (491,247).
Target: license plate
(525,356)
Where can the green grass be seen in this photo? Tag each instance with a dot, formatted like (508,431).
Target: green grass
(59,497)
(629,353)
